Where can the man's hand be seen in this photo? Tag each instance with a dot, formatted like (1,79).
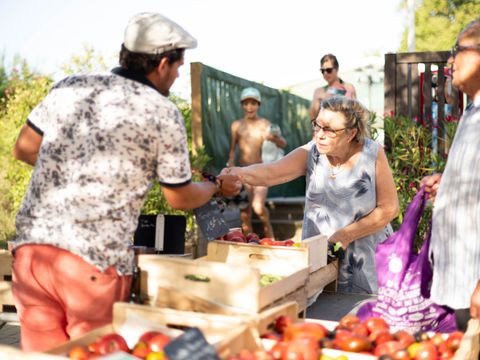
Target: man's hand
(475,302)
(432,184)
(230,184)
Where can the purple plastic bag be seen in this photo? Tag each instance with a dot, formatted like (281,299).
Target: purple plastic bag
(404,278)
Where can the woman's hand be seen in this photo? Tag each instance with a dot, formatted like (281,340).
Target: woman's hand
(230,184)
(432,184)
(340,236)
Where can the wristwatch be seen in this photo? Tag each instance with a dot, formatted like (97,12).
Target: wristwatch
(213,179)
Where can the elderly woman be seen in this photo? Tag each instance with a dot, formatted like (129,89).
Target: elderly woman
(335,85)
(350,195)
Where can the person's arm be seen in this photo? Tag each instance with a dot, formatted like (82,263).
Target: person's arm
(279,140)
(291,166)
(387,207)
(315,105)
(475,302)
(432,183)
(196,194)
(351,93)
(233,143)
(27,145)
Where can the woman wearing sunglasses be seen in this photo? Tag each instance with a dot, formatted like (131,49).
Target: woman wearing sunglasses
(350,194)
(335,85)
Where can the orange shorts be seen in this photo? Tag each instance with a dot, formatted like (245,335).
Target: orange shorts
(59,296)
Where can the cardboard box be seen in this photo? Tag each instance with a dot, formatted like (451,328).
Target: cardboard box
(228,334)
(232,285)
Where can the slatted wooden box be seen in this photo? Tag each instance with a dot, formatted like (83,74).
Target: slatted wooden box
(232,285)
(311,253)
(6,298)
(228,334)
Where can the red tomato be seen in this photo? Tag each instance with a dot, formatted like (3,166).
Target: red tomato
(354,343)
(404,337)
(375,323)
(140,350)
(380,336)
(112,342)
(266,242)
(426,351)
(281,323)
(348,321)
(79,352)
(359,329)
(453,340)
(304,329)
(301,349)
(388,348)
(158,342)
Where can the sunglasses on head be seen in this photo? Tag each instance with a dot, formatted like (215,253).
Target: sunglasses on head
(326,70)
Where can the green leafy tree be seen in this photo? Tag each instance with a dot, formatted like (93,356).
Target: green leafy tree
(23,90)
(86,62)
(438,22)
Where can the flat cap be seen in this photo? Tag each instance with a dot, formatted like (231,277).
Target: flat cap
(153,33)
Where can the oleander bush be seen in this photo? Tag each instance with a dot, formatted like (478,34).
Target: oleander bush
(408,145)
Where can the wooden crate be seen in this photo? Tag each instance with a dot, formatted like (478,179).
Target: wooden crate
(231,285)
(6,298)
(228,334)
(312,253)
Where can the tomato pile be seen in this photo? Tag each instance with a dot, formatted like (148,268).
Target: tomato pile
(236,235)
(148,347)
(305,341)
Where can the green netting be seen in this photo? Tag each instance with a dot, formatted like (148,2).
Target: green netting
(220,99)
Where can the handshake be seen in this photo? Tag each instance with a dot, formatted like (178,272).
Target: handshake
(229,183)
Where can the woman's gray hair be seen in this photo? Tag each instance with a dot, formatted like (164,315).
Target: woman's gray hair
(356,115)
(472,30)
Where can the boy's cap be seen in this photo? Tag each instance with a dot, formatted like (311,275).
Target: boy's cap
(250,93)
(152,33)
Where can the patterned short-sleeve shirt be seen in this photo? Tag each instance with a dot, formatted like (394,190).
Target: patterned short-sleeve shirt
(105,138)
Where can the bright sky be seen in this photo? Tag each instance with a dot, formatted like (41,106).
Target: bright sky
(275,42)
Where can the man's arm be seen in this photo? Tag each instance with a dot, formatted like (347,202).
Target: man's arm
(196,194)
(28,145)
(233,143)
(432,183)
(475,302)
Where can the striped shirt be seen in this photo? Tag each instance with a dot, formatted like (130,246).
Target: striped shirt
(455,242)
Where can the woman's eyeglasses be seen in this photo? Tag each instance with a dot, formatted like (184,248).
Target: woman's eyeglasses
(458,48)
(329,132)
(326,70)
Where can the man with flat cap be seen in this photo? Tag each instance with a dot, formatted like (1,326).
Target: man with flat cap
(97,142)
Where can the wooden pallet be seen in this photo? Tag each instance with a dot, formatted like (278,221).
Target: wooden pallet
(6,298)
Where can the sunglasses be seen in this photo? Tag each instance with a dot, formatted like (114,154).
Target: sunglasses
(458,48)
(326,70)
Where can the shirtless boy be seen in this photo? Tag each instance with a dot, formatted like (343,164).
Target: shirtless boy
(250,133)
